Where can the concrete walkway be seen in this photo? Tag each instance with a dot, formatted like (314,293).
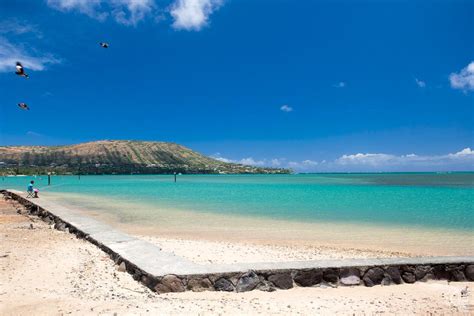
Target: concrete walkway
(154,263)
(145,255)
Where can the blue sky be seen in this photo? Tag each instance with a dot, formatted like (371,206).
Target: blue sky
(314,85)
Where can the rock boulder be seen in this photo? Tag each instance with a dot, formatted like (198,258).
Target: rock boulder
(373,276)
(350,276)
(247,282)
(170,283)
(223,284)
(470,272)
(281,280)
(200,285)
(394,274)
(308,278)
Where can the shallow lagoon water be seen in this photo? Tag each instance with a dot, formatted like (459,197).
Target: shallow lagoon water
(426,200)
(402,214)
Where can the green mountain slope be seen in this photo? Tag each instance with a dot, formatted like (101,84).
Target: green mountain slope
(121,157)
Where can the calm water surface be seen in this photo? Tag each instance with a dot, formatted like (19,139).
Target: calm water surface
(425,199)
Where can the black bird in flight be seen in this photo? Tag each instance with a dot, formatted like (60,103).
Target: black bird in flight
(23,106)
(104,45)
(20,71)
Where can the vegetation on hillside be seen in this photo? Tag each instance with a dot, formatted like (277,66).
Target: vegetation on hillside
(116,157)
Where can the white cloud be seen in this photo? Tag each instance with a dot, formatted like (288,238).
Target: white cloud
(18,27)
(223,159)
(275,162)
(465,153)
(286,108)
(88,7)
(463,80)
(251,162)
(366,159)
(130,12)
(340,84)
(189,15)
(298,166)
(192,15)
(303,166)
(462,160)
(11,53)
(420,83)
(127,12)
(33,134)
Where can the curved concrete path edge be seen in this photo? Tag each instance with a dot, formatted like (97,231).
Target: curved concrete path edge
(165,272)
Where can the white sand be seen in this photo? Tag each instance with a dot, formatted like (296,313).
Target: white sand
(208,252)
(48,272)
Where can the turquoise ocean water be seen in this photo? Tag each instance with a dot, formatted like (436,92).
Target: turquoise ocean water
(427,200)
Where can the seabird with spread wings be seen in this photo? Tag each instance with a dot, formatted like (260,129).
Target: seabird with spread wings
(23,106)
(20,71)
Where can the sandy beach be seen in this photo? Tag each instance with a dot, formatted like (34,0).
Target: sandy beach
(49,272)
(224,252)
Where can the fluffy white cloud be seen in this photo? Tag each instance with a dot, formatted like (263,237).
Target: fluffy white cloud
(130,12)
(465,153)
(275,162)
(464,157)
(127,12)
(420,83)
(251,162)
(11,53)
(88,7)
(366,159)
(189,15)
(463,80)
(462,160)
(299,166)
(193,14)
(222,159)
(286,108)
(303,166)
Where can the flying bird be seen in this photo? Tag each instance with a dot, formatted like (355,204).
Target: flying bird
(23,106)
(104,45)
(20,71)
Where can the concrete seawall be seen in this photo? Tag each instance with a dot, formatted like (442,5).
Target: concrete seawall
(165,272)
